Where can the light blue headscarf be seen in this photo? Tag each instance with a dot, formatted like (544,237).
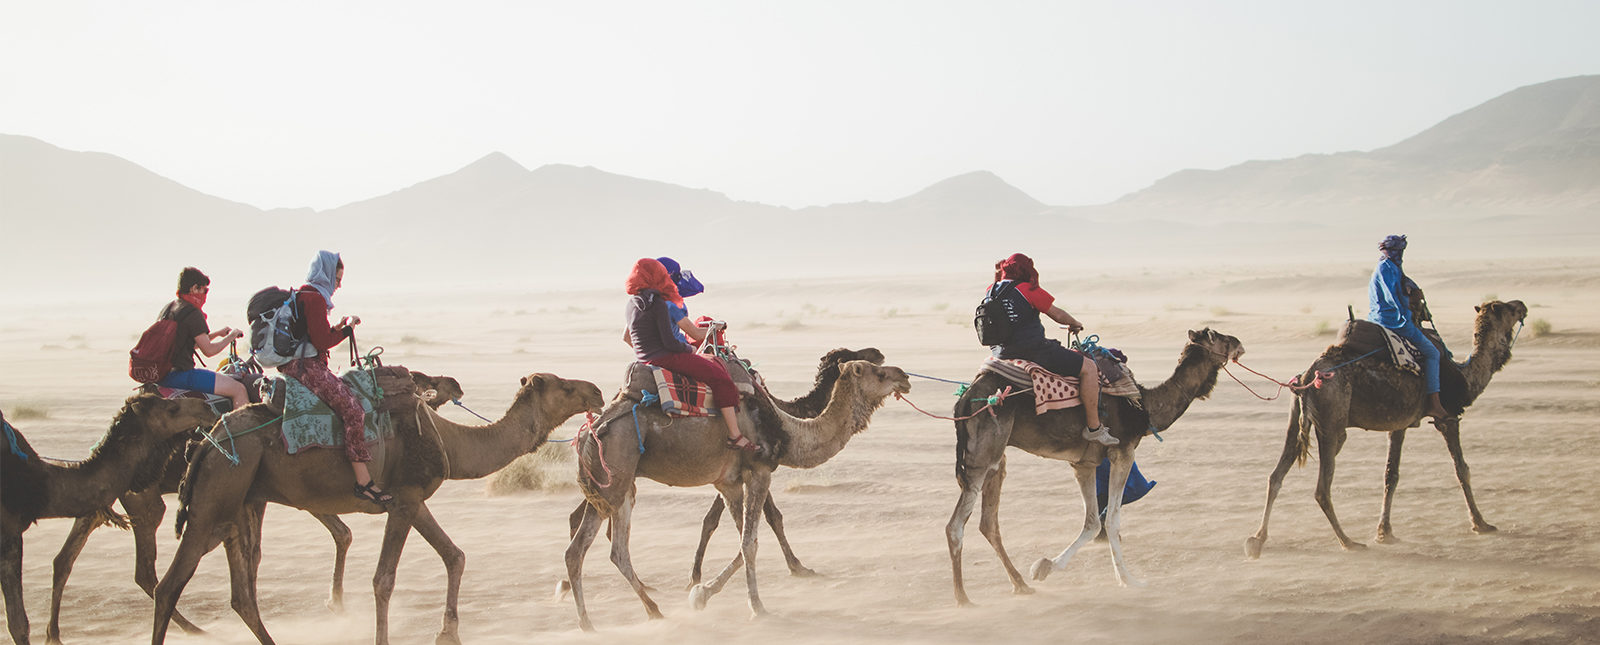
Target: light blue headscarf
(322,275)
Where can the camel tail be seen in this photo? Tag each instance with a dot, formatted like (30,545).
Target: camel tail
(192,457)
(108,517)
(1305,430)
(592,476)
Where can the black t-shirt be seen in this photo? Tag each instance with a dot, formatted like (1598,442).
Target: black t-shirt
(191,323)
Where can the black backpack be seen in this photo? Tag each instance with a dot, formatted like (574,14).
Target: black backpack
(274,340)
(992,319)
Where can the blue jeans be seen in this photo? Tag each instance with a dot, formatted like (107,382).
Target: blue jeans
(198,380)
(1430,353)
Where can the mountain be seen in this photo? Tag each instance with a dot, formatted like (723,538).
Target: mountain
(1533,149)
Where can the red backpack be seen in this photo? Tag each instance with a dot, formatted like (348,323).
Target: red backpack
(151,359)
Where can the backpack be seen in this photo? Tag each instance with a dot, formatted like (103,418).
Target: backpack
(272,313)
(992,319)
(151,358)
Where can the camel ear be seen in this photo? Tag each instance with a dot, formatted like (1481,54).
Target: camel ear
(535,381)
(1477,309)
(1194,336)
(524,381)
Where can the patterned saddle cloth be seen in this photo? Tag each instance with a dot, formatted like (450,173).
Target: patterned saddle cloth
(308,422)
(680,395)
(1365,336)
(1052,391)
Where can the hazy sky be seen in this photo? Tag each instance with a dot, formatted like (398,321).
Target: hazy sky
(798,103)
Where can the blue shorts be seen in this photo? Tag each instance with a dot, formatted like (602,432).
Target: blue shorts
(198,380)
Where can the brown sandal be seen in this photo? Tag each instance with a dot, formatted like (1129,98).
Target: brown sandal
(743,443)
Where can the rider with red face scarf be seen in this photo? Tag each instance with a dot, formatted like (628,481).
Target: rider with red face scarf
(195,335)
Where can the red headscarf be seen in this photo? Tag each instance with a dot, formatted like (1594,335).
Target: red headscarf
(1017,267)
(649,273)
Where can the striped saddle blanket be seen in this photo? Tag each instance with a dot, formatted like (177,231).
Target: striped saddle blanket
(682,396)
(1053,391)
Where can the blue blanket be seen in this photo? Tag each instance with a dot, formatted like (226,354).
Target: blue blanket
(310,423)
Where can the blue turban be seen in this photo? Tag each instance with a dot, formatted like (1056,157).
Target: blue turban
(684,279)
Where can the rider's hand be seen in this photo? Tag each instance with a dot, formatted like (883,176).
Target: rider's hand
(1074,326)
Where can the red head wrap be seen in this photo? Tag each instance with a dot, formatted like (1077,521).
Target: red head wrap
(649,273)
(1017,267)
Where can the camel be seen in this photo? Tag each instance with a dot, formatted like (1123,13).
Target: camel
(130,455)
(1374,395)
(224,503)
(982,439)
(145,508)
(690,451)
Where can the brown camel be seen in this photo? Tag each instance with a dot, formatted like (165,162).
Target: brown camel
(807,406)
(130,455)
(223,503)
(690,451)
(981,443)
(145,508)
(1375,395)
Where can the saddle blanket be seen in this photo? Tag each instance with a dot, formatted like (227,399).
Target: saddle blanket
(1403,352)
(1053,391)
(682,396)
(310,423)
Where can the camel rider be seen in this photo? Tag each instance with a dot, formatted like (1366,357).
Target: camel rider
(656,340)
(1390,293)
(316,300)
(688,286)
(1024,304)
(194,335)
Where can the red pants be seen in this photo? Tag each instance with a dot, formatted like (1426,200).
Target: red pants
(705,370)
(313,372)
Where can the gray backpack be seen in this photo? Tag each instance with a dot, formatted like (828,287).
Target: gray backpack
(273,342)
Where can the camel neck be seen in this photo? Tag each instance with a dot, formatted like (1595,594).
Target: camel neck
(125,459)
(1195,378)
(814,441)
(478,451)
(1491,350)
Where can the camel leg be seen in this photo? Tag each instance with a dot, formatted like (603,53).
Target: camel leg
(775,520)
(244,555)
(145,511)
(588,527)
(707,527)
(11,581)
(1391,479)
(455,562)
(621,518)
(758,483)
(1091,523)
(955,530)
(983,452)
(1121,465)
(1451,429)
(733,495)
(221,512)
(1291,452)
(341,547)
(70,548)
(574,520)
(197,541)
(1328,447)
(989,526)
(395,531)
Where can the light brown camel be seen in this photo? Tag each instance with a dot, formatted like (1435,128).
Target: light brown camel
(131,454)
(690,451)
(145,508)
(1374,395)
(1058,434)
(223,503)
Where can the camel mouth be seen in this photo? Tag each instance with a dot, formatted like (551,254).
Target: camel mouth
(1235,354)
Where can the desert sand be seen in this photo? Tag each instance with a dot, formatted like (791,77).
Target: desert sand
(871,521)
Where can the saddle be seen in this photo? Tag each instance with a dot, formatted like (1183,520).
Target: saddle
(1363,336)
(1053,391)
(218,404)
(680,395)
(309,422)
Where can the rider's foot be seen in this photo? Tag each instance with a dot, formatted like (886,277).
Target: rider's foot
(1101,434)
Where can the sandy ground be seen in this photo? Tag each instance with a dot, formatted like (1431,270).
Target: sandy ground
(871,521)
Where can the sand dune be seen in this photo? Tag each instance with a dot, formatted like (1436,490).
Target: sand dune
(871,520)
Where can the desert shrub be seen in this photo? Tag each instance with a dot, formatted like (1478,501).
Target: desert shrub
(1324,328)
(1539,327)
(1220,312)
(28,412)
(551,468)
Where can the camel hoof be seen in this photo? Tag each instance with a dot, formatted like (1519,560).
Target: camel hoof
(1022,590)
(1354,546)
(335,606)
(1485,527)
(803,572)
(1133,582)
(698,596)
(963,603)
(447,639)
(1042,569)
(585,625)
(1252,547)
(758,612)
(1386,538)
(561,590)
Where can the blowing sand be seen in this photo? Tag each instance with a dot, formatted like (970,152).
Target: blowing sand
(871,521)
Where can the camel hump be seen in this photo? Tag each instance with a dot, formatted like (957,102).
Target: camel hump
(1360,336)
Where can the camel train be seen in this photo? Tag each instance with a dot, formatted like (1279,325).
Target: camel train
(226,467)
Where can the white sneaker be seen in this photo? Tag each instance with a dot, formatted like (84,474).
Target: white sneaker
(1102,435)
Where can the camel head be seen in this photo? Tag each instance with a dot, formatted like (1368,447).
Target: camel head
(558,398)
(1218,343)
(875,382)
(436,390)
(164,418)
(828,367)
(1499,321)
